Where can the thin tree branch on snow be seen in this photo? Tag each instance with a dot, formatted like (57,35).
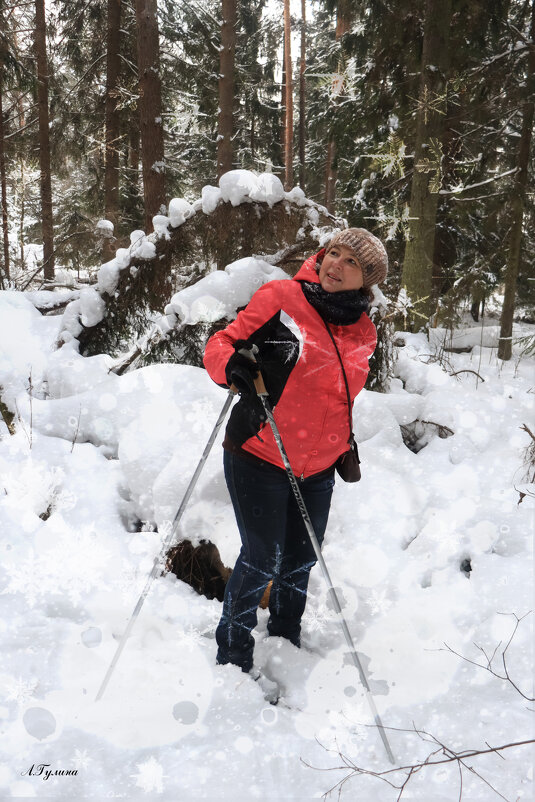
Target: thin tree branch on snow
(468,370)
(441,755)
(443,431)
(33,275)
(411,769)
(490,659)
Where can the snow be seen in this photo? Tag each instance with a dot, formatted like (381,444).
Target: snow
(244,186)
(297,196)
(92,307)
(222,292)
(108,275)
(210,198)
(136,236)
(99,461)
(144,248)
(237,185)
(268,189)
(179,211)
(160,223)
(486,336)
(44,299)
(105,227)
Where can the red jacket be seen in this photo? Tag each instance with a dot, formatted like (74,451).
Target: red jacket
(301,371)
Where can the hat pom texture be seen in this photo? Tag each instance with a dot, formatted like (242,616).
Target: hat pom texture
(369,250)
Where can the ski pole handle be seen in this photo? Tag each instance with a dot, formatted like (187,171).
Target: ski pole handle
(250,353)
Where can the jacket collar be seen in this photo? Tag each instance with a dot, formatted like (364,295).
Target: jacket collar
(308,270)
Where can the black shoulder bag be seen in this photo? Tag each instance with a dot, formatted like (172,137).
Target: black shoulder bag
(348,464)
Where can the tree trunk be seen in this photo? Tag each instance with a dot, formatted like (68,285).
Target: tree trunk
(44,141)
(252,139)
(22,211)
(330,174)
(133,152)
(113,133)
(417,276)
(132,200)
(344,16)
(288,118)
(283,101)
(302,100)
(20,155)
(22,186)
(150,109)
(4,273)
(517,203)
(225,123)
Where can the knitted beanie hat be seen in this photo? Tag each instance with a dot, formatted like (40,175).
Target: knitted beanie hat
(369,250)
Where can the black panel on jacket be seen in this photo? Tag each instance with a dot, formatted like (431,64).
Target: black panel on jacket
(278,352)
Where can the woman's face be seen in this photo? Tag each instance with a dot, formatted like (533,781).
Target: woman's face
(340,270)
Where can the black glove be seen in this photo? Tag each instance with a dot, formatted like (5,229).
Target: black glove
(241,371)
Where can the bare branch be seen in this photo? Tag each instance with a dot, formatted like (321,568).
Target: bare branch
(450,756)
(444,431)
(490,659)
(468,370)
(472,770)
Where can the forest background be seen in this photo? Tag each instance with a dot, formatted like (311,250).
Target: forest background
(412,118)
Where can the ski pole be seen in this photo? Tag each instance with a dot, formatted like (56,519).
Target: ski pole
(262,393)
(159,561)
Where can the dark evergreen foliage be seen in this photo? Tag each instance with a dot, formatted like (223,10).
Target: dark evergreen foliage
(374,126)
(372,120)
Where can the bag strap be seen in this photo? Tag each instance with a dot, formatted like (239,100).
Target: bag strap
(351,441)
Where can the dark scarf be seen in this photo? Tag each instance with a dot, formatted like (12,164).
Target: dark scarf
(340,308)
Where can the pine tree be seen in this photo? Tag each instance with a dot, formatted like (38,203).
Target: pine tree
(417,277)
(47,223)
(302,98)
(258,123)
(150,109)
(226,88)
(344,14)
(517,201)
(113,131)
(288,97)
(4,273)
(191,37)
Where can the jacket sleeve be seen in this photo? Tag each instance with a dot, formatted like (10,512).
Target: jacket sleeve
(220,347)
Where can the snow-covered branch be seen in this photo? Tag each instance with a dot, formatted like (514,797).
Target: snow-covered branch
(459,189)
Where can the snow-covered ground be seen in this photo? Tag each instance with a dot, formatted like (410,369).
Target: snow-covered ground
(94,454)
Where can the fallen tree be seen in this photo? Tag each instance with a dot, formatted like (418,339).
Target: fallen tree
(134,287)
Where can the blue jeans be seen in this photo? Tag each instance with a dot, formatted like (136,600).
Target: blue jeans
(275,546)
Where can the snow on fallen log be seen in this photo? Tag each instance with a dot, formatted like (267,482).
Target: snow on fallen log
(245,216)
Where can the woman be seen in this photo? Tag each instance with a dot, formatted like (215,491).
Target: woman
(291,323)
